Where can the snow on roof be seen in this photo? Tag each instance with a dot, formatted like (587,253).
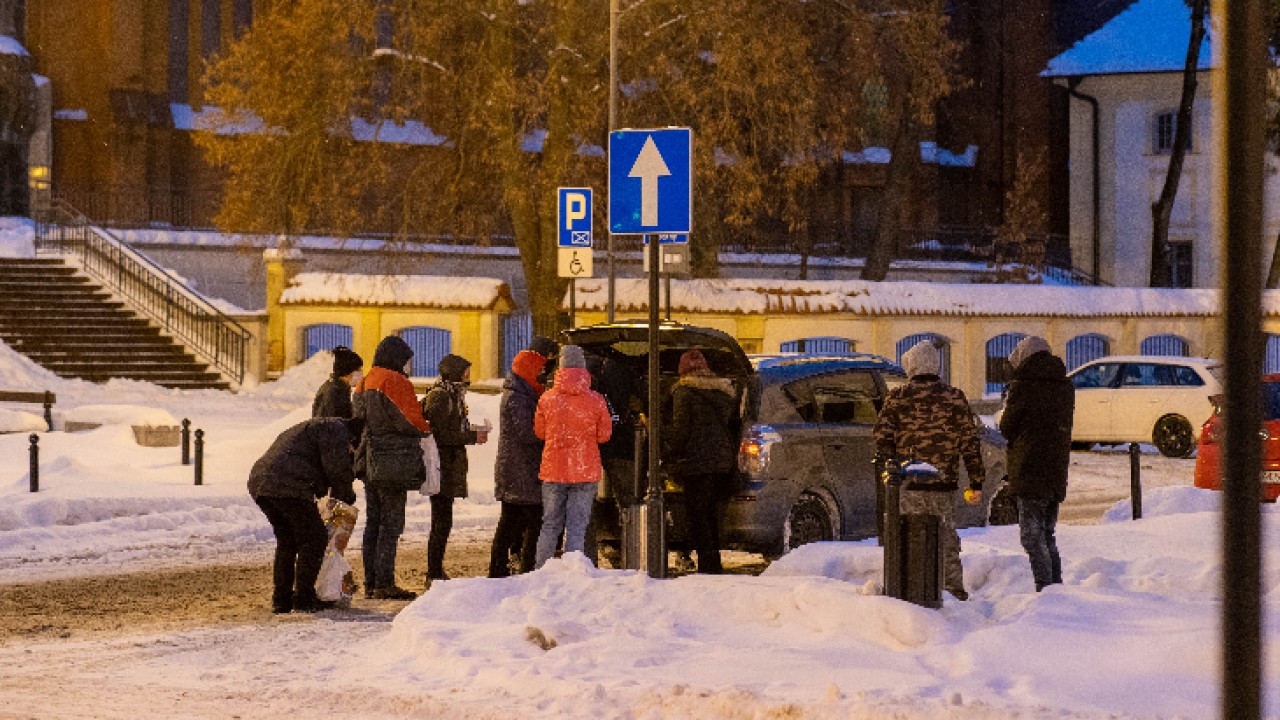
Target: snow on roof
(1149,36)
(9,45)
(860,297)
(419,290)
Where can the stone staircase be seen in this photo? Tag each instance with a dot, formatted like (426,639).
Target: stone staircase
(61,319)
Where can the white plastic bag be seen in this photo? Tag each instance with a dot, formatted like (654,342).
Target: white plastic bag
(334,569)
(430,458)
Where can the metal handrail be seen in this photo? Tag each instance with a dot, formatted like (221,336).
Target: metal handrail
(146,287)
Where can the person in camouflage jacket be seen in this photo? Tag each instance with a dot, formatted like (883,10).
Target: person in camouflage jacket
(928,421)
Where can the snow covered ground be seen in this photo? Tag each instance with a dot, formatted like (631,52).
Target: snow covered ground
(1132,633)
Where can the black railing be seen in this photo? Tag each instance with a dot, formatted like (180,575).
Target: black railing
(147,288)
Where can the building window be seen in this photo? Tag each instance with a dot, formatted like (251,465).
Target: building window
(179,18)
(1179,257)
(1166,127)
(999,370)
(941,343)
(210,27)
(1085,348)
(324,336)
(1165,345)
(819,345)
(430,345)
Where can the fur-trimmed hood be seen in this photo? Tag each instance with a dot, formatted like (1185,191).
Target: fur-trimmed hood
(702,381)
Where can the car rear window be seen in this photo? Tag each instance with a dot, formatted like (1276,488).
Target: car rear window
(846,398)
(1187,376)
(1096,376)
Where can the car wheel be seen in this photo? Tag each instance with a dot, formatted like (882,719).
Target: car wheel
(1172,436)
(1081,446)
(1004,509)
(812,519)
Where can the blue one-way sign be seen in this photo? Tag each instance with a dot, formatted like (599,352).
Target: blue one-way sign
(651,181)
(573,217)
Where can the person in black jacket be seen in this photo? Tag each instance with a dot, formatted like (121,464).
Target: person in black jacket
(1037,422)
(445,408)
(702,451)
(515,472)
(333,399)
(307,461)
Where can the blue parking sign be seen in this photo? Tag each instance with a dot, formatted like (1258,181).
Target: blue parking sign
(651,181)
(573,217)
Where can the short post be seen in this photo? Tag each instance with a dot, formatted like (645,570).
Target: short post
(1135,480)
(892,520)
(631,520)
(186,441)
(878,473)
(35,462)
(48,409)
(199,457)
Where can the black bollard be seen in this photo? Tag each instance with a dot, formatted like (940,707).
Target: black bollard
(186,441)
(35,463)
(892,534)
(199,457)
(877,471)
(1135,480)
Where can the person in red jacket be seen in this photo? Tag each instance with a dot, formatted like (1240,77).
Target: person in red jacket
(573,420)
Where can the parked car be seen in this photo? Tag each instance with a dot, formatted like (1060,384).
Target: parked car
(806,455)
(1208,474)
(1156,399)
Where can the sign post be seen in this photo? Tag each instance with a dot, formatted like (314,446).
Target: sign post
(650,192)
(574,225)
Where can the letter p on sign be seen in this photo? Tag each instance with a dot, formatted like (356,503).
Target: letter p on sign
(573,208)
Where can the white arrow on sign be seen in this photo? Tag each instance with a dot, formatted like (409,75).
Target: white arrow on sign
(649,166)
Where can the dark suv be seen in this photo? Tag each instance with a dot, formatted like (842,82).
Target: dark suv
(805,461)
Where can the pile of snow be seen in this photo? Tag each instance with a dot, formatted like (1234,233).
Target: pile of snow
(299,382)
(132,415)
(17,237)
(17,421)
(1167,501)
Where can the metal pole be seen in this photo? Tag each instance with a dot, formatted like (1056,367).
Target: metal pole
(573,302)
(186,441)
(1135,480)
(35,462)
(613,124)
(1241,131)
(632,522)
(892,530)
(655,511)
(199,464)
(667,276)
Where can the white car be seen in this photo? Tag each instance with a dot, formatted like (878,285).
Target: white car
(1144,398)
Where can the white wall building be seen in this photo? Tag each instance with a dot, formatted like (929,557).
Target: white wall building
(1130,73)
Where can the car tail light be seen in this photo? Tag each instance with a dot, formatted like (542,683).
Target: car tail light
(753,453)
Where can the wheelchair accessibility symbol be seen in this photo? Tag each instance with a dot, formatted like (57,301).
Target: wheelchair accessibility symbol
(575,263)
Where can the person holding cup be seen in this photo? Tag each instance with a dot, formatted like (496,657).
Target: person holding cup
(445,408)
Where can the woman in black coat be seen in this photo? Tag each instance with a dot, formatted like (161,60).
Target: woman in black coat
(515,473)
(307,461)
(445,408)
(702,451)
(1037,418)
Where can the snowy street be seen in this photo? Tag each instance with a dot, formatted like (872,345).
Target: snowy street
(129,592)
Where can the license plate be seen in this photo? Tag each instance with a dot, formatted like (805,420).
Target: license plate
(1271,477)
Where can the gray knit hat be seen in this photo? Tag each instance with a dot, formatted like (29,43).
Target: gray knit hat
(922,359)
(1030,345)
(571,357)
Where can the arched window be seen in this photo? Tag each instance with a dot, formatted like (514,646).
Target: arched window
(430,345)
(517,333)
(1272,364)
(943,345)
(999,371)
(1164,345)
(324,336)
(1083,348)
(819,345)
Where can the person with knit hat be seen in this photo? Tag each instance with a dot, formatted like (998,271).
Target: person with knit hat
(389,460)
(573,419)
(1037,418)
(333,399)
(928,421)
(515,471)
(702,451)
(445,407)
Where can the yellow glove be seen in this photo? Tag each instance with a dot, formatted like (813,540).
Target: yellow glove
(973,497)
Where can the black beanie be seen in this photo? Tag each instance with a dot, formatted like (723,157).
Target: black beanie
(345,361)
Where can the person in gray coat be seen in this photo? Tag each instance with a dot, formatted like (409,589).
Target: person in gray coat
(333,399)
(445,407)
(308,461)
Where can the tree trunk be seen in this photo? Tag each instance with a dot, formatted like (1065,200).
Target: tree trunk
(902,164)
(1162,209)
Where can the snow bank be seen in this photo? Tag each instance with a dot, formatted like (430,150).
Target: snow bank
(139,415)
(1167,501)
(16,421)
(299,382)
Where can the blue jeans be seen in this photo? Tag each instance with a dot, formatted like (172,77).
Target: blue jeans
(566,507)
(1037,521)
(383,524)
